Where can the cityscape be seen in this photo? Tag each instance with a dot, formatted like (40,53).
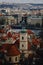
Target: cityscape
(21,34)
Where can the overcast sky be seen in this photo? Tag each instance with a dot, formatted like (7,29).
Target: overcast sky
(22,1)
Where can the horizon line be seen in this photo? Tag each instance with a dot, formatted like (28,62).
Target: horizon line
(20,3)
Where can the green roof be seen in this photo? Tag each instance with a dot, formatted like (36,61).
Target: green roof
(23,31)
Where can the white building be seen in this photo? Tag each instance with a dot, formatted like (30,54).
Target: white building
(13,55)
(23,42)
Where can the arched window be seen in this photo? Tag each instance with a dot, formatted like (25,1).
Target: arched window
(16,59)
(10,59)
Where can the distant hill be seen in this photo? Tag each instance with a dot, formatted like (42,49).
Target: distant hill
(24,6)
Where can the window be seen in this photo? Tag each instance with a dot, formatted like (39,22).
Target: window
(10,59)
(22,45)
(22,38)
(16,59)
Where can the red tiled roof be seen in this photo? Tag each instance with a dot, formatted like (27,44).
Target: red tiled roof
(9,34)
(2,31)
(4,37)
(13,51)
(29,46)
(2,49)
(17,43)
(30,32)
(4,46)
(35,41)
(14,37)
(17,34)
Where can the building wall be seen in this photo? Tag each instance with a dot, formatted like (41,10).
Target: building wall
(41,12)
(23,42)
(23,35)
(13,58)
(19,18)
(23,46)
(34,21)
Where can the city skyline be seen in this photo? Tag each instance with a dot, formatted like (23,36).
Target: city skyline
(22,1)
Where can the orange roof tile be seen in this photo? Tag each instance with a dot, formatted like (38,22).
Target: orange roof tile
(4,37)
(2,49)
(30,32)
(9,34)
(29,46)
(13,51)
(17,34)
(2,31)
(17,43)
(35,41)
(13,37)
(5,46)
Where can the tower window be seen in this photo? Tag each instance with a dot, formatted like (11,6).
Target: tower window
(22,45)
(22,38)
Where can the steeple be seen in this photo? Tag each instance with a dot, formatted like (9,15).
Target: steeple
(23,41)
